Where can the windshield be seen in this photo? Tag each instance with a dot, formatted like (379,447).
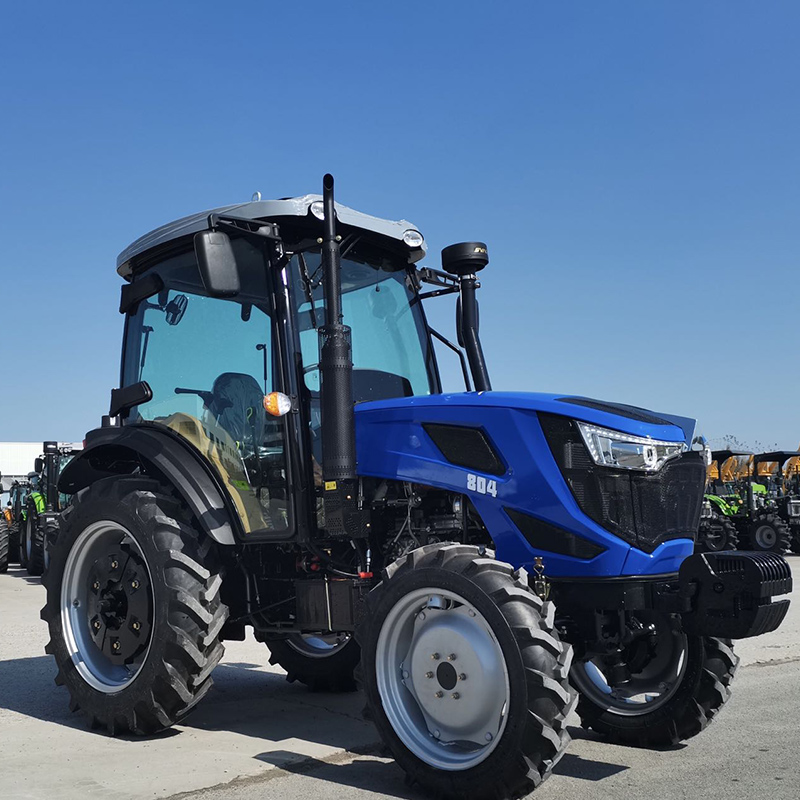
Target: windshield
(391,352)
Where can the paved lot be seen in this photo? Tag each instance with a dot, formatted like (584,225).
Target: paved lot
(257,736)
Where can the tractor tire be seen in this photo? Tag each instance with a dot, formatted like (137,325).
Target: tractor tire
(680,710)
(133,606)
(768,533)
(716,533)
(23,542)
(34,544)
(450,608)
(5,540)
(14,543)
(321,665)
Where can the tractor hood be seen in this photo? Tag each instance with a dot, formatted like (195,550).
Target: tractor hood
(617,416)
(516,457)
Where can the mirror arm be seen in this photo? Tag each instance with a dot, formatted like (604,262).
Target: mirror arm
(458,351)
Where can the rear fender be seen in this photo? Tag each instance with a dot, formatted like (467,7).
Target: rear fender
(121,450)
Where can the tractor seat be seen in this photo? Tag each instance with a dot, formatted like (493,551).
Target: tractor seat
(239,407)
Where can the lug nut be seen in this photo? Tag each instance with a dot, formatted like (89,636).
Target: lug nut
(439,694)
(96,624)
(115,645)
(471,613)
(462,677)
(421,616)
(405,674)
(428,674)
(114,564)
(134,584)
(436,734)
(451,657)
(455,695)
(135,626)
(488,737)
(96,586)
(435,656)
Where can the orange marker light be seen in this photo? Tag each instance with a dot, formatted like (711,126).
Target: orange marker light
(277,404)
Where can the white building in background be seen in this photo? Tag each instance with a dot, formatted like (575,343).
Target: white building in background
(16,459)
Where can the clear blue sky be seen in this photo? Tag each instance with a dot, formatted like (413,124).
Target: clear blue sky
(634,167)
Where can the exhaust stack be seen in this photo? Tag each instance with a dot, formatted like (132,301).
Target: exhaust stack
(338,420)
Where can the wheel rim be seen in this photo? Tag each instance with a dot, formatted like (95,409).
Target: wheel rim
(652,685)
(442,679)
(316,646)
(107,606)
(766,537)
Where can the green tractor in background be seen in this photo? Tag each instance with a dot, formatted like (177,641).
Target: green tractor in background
(735,498)
(783,488)
(43,505)
(722,503)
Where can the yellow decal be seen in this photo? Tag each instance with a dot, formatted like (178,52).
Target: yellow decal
(330,486)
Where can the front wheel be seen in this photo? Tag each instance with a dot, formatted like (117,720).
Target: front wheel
(133,607)
(464,674)
(674,687)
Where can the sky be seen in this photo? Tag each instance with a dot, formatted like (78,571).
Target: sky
(633,167)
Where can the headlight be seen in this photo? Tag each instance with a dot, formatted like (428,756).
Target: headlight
(624,451)
(794,508)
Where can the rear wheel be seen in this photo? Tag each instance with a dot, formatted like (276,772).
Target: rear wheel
(324,663)
(133,607)
(767,532)
(717,533)
(464,673)
(5,541)
(34,544)
(677,685)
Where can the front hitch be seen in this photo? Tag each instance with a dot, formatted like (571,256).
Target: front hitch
(730,593)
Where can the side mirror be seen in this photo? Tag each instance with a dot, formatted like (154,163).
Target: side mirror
(217,263)
(38,465)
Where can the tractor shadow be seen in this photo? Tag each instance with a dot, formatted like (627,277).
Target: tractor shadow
(20,573)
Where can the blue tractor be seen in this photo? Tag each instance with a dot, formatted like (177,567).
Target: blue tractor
(280,455)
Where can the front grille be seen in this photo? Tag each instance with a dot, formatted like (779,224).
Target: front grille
(644,509)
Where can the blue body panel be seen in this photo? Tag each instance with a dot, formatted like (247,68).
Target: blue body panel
(391,443)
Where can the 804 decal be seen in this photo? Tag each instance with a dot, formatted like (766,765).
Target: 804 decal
(481,485)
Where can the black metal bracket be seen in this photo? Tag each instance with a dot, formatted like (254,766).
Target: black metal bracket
(255,228)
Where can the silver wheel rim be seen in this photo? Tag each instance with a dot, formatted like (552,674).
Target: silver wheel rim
(766,536)
(90,662)
(318,646)
(649,689)
(442,679)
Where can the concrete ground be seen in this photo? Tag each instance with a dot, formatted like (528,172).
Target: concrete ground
(256,736)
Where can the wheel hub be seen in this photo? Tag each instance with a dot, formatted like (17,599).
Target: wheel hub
(117,605)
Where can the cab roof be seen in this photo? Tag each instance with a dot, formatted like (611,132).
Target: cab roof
(776,455)
(259,209)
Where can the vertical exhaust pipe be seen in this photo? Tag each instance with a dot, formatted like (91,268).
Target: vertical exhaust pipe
(338,419)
